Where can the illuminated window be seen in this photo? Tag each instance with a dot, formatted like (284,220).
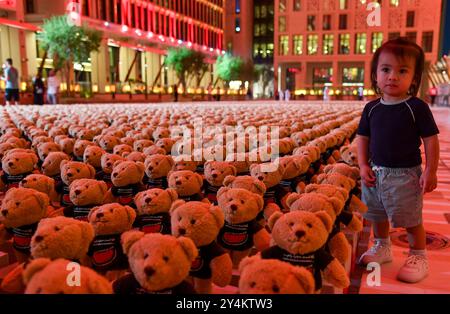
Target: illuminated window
(297,5)
(255,50)
(263,30)
(311,23)
(281,23)
(394,3)
(344,44)
(353,75)
(343,4)
(326,25)
(313,44)
(284,45)
(257,12)
(360,45)
(427,41)
(328,44)
(377,40)
(263,11)
(257,30)
(298,44)
(282,6)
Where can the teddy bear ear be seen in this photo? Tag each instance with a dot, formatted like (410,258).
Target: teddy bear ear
(222,190)
(273,219)
(328,168)
(233,169)
(188,247)
(117,162)
(292,198)
(199,179)
(344,149)
(218,215)
(172,193)
(140,166)
(34,159)
(253,166)
(228,180)
(169,174)
(92,211)
(259,201)
(326,219)
(260,186)
(176,204)
(91,171)
(87,232)
(103,187)
(247,261)
(34,267)
(321,178)
(131,214)
(312,187)
(170,161)
(42,199)
(343,192)
(206,164)
(337,203)
(305,278)
(128,238)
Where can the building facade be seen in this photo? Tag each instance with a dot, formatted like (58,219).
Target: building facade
(136,37)
(331,42)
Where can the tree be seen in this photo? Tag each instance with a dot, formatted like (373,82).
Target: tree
(68,43)
(228,68)
(184,62)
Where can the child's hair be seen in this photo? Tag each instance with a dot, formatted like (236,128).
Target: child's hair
(402,48)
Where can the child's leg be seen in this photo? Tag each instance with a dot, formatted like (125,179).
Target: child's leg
(416,237)
(381,229)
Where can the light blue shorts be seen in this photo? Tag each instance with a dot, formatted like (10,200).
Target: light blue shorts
(397,196)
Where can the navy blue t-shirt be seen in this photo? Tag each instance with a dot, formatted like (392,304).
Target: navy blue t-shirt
(394,131)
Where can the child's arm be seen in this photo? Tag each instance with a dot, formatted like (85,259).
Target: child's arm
(428,180)
(365,170)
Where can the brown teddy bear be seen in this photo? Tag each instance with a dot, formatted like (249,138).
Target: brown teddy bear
(93,156)
(159,264)
(71,171)
(134,156)
(271,276)
(156,169)
(21,211)
(299,238)
(109,221)
(188,185)
(294,176)
(16,165)
(42,183)
(241,229)
(67,145)
(152,207)
(127,179)
(139,145)
(313,152)
(344,169)
(107,142)
(202,222)
(44,276)
(51,166)
(121,149)
(184,162)
(79,148)
(85,194)
(215,173)
(44,149)
(349,154)
(245,182)
(107,163)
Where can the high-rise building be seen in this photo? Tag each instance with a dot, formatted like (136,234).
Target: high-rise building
(137,35)
(331,42)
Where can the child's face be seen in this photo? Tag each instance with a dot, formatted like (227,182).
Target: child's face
(394,75)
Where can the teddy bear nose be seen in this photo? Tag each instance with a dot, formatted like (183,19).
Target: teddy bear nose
(149,271)
(10,164)
(100,215)
(214,175)
(300,234)
(24,181)
(260,178)
(178,182)
(182,231)
(108,164)
(148,200)
(5,212)
(38,238)
(234,207)
(77,192)
(70,175)
(115,174)
(150,168)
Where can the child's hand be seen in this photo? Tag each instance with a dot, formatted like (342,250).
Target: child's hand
(367,176)
(428,181)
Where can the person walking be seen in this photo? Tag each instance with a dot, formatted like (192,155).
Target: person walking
(38,90)
(52,88)
(12,82)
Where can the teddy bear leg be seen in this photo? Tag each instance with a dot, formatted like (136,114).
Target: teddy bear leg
(339,247)
(335,274)
(13,283)
(270,209)
(203,286)
(357,205)
(238,256)
(222,268)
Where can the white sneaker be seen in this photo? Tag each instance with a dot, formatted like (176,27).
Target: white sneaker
(414,270)
(379,253)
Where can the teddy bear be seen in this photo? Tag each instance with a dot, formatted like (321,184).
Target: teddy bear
(109,221)
(159,264)
(134,156)
(51,166)
(42,183)
(272,276)
(93,156)
(107,142)
(71,171)
(166,144)
(241,230)
(245,182)
(241,161)
(160,132)
(188,185)
(44,149)
(21,211)
(140,145)
(294,176)
(184,162)
(85,194)
(121,149)
(202,222)
(67,144)
(156,169)
(299,239)
(215,173)
(349,154)
(44,276)
(127,179)
(313,152)
(4,148)
(154,150)
(107,162)
(79,148)
(152,208)
(16,165)
(314,201)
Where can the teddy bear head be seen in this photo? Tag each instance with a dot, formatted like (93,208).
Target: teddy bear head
(349,154)
(166,144)
(184,162)
(245,182)
(52,163)
(185,182)
(269,173)
(300,232)
(22,207)
(271,276)
(107,162)
(319,143)
(85,134)
(314,202)
(294,166)
(154,201)
(216,171)
(198,221)
(17,162)
(239,205)
(139,145)
(328,190)
(158,166)
(312,152)
(158,261)
(73,170)
(127,140)
(300,138)
(62,237)
(154,150)
(44,276)
(87,192)
(127,172)
(241,161)
(107,142)
(45,148)
(4,148)
(67,144)
(111,218)
(336,179)
(39,182)
(121,149)
(38,140)
(161,132)
(80,146)
(344,169)
(93,156)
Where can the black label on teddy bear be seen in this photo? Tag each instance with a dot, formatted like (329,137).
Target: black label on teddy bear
(198,263)
(65,199)
(106,253)
(125,194)
(200,268)
(160,183)
(22,237)
(82,212)
(157,223)
(235,237)
(270,196)
(211,192)
(12,181)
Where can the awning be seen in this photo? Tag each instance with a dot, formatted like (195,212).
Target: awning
(19,25)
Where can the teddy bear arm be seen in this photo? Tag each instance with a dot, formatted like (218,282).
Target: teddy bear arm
(339,247)
(109,197)
(269,209)
(335,274)
(221,267)
(13,282)
(357,205)
(261,239)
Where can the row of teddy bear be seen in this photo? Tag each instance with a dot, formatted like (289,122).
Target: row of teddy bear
(222,227)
